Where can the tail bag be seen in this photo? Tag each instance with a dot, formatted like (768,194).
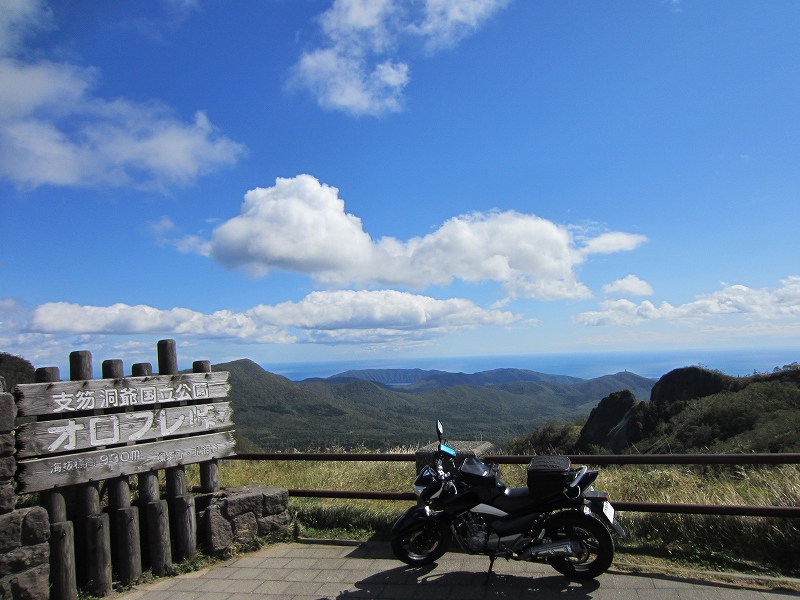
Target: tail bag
(548,475)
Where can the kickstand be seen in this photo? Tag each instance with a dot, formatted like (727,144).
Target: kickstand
(491,566)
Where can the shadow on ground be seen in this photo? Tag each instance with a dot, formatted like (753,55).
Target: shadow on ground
(423,582)
(430,581)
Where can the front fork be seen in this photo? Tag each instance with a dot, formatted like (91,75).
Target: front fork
(414,519)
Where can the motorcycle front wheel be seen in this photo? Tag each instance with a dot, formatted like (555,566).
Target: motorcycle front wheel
(596,547)
(423,546)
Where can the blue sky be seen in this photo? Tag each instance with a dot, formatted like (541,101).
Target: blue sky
(314,180)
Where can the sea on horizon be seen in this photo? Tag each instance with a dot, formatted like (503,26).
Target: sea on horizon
(737,363)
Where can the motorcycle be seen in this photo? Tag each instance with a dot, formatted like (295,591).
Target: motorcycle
(558,518)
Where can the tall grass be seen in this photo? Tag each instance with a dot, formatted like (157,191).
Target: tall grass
(755,544)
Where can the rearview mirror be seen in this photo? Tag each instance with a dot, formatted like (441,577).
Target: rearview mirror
(439,430)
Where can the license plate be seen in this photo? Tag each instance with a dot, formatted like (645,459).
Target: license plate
(608,511)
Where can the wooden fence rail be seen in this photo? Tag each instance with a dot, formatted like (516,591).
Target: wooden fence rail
(587,459)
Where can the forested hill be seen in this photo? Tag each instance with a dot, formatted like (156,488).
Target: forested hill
(278,414)
(418,380)
(14,370)
(690,410)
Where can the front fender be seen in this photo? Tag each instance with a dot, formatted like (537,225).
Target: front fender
(414,519)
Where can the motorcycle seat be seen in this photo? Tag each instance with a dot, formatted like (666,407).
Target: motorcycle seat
(513,499)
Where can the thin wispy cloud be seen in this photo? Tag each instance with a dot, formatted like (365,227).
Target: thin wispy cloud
(357,68)
(756,304)
(56,130)
(173,15)
(19,18)
(300,225)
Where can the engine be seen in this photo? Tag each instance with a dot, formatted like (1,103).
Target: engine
(471,532)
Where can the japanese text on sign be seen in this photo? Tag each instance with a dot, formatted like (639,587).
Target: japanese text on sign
(82,433)
(114,397)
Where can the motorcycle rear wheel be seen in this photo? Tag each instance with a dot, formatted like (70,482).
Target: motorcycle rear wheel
(423,546)
(595,541)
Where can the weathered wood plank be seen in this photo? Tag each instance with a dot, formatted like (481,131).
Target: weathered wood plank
(63,397)
(46,473)
(58,436)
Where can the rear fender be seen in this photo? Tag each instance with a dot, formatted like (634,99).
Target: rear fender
(596,502)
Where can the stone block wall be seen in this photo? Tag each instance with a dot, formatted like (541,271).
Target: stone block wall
(427,454)
(24,534)
(238,515)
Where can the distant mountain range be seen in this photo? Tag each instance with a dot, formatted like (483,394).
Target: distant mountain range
(383,408)
(418,380)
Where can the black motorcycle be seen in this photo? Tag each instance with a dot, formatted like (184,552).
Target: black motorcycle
(558,518)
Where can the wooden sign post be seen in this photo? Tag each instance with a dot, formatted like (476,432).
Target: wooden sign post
(86,431)
(65,447)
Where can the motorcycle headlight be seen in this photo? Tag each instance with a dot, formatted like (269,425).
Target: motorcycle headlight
(425,480)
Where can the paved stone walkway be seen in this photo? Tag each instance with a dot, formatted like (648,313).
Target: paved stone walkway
(313,571)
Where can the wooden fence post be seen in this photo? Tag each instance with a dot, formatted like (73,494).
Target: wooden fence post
(127,558)
(80,365)
(167,357)
(63,583)
(112,369)
(92,534)
(209,470)
(183,521)
(156,541)
(141,370)
(183,515)
(98,541)
(158,537)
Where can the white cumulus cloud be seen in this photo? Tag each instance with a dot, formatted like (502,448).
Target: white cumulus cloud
(629,285)
(731,299)
(55,130)
(301,225)
(355,69)
(66,318)
(337,316)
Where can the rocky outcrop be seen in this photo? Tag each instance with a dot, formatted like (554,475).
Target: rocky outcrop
(620,420)
(687,383)
(612,423)
(238,515)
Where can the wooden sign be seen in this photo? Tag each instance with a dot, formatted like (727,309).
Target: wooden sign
(65,397)
(46,473)
(81,433)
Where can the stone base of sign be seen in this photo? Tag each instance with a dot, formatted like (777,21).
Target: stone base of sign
(25,561)
(24,534)
(427,454)
(237,515)
(7,497)
(8,411)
